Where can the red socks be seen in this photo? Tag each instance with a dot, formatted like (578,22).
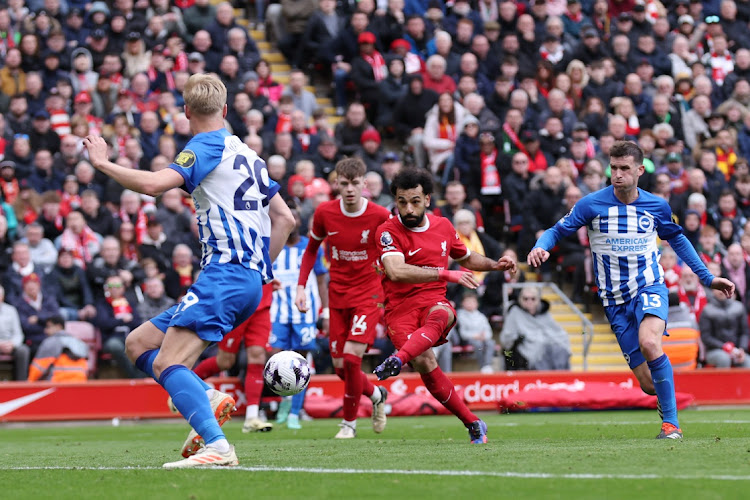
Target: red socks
(425,337)
(340,373)
(207,368)
(253,384)
(443,390)
(353,385)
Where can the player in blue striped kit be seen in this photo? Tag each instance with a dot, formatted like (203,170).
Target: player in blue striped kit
(243,224)
(623,224)
(292,329)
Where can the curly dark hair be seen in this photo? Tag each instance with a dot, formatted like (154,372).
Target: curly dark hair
(410,178)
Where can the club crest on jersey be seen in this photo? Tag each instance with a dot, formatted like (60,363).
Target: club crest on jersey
(385,239)
(365,235)
(334,253)
(646,222)
(185,159)
(444,248)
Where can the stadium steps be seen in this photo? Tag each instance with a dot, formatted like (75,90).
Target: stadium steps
(280,68)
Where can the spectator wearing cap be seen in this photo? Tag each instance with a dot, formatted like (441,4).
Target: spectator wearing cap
(82,107)
(198,16)
(642,23)
(98,14)
(370,151)
(137,58)
(368,69)
(574,19)
(591,47)
(74,30)
(12,77)
(678,176)
(34,307)
(42,135)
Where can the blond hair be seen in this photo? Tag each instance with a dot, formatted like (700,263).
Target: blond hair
(205,95)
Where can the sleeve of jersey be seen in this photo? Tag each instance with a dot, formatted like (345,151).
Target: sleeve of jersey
(273,188)
(195,162)
(570,223)
(459,251)
(387,244)
(319,268)
(308,261)
(318,231)
(684,249)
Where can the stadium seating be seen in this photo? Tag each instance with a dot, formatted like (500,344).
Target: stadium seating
(682,345)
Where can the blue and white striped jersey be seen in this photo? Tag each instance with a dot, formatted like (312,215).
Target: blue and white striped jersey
(231,190)
(286,269)
(622,238)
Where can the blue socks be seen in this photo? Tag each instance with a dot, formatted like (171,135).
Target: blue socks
(189,396)
(663,378)
(298,400)
(145,363)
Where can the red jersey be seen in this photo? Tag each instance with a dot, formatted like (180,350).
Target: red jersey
(351,251)
(428,247)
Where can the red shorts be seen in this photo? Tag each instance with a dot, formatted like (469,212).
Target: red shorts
(255,330)
(403,322)
(358,324)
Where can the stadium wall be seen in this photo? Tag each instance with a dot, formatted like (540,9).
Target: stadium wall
(134,399)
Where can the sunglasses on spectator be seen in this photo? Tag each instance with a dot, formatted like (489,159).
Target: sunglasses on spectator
(21,136)
(114,285)
(712,19)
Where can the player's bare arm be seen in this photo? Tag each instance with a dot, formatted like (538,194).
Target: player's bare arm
(282,224)
(398,270)
(477,262)
(141,181)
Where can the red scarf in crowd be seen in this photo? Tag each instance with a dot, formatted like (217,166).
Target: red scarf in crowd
(514,138)
(141,222)
(376,61)
(447,130)
(10,190)
(186,275)
(699,300)
(490,175)
(80,245)
(120,306)
(283,123)
(69,202)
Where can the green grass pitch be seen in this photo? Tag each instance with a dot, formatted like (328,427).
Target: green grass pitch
(555,455)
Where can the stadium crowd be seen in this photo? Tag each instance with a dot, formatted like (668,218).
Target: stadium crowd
(512,106)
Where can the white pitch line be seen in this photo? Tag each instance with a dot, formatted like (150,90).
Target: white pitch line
(400,472)
(613,422)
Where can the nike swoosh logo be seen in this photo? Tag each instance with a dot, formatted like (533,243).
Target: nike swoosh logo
(333,232)
(412,252)
(426,337)
(14,404)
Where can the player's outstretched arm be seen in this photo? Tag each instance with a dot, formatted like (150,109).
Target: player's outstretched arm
(141,181)
(398,270)
(477,262)
(282,225)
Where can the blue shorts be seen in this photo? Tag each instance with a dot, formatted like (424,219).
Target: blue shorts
(222,298)
(626,320)
(300,337)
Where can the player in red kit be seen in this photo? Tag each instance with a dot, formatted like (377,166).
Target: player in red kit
(414,251)
(354,292)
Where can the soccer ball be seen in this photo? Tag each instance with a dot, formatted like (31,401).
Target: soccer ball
(287,373)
